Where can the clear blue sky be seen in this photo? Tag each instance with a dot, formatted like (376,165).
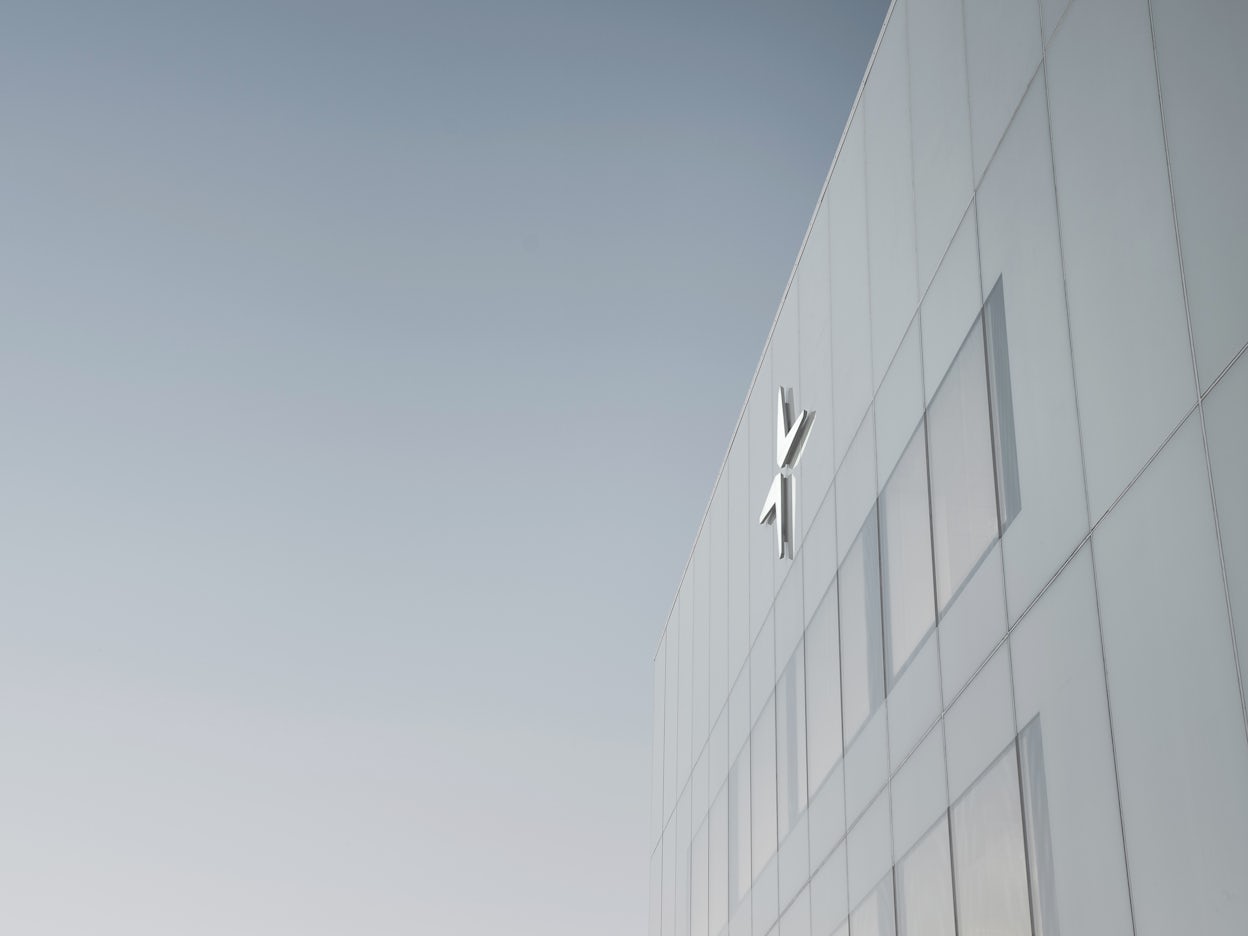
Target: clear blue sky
(364,371)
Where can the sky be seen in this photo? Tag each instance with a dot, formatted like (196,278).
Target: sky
(364,372)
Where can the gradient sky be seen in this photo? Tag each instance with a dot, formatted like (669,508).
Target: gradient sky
(364,371)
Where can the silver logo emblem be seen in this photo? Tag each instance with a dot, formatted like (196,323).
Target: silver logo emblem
(791,435)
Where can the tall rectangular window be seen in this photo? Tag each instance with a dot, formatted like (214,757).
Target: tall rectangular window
(763,787)
(1009,495)
(874,916)
(1036,826)
(698,883)
(925,886)
(862,652)
(717,862)
(906,557)
(964,487)
(791,743)
(823,690)
(989,857)
(739,829)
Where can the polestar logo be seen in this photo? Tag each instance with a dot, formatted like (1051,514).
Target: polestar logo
(791,437)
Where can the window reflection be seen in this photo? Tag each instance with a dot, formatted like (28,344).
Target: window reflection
(1036,820)
(791,743)
(874,916)
(739,828)
(925,886)
(763,787)
(964,490)
(862,656)
(717,862)
(1009,495)
(989,865)
(823,691)
(906,557)
(698,883)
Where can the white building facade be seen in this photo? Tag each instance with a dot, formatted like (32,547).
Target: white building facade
(996,682)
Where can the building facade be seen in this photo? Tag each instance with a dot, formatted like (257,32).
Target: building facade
(962,643)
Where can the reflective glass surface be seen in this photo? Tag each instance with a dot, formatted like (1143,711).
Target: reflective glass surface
(862,652)
(823,691)
(964,488)
(1129,334)
(698,883)
(874,916)
(989,865)
(906,557)
(925,887)
(1059,688)
(763,786)
(717,862)
(791,743)
(1038,837)
(739,828)
(890,195)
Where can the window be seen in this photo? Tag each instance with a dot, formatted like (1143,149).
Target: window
(989,860)
(1036,823)
(718,862)
(964,500)
(698,883)
(1009,497)
(791,743)
(823,691)
(763,786)
(925,886)
(739,828)
(862,655)
(874,916)
(906,557)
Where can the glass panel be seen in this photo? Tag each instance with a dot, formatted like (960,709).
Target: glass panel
(1178,724)
(739,714)
(717,863)
(862,652)
(906,557)
(851,309)
(823,691)
(990,870)
(791,743)
(891,262)
(925,887)
(739,828)
(1036,823)
(874,916)
(1059,674)
(1002,53)
(940,125)
(669,880)
(762,668)
(1018,235)
(684,839)
(964,508)
(656,892)
(1009,498)
(1203,71)
(1128,330)
(763,786)
(699,882)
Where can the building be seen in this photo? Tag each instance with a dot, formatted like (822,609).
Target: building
(981,668)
